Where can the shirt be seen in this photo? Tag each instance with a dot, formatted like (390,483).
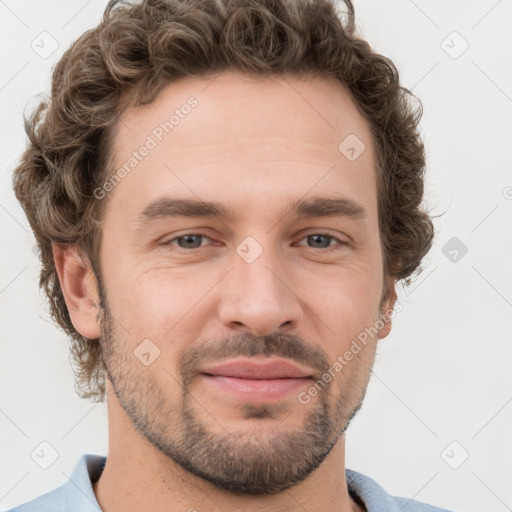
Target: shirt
(77,494)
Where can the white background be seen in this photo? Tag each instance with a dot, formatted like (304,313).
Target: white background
(444,373)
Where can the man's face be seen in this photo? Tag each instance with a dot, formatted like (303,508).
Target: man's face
(264,284)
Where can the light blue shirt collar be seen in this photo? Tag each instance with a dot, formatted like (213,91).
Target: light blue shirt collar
(77,495)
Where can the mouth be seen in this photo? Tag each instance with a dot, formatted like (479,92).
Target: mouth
(257,379)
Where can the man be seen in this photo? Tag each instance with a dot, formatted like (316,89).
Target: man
(224,194)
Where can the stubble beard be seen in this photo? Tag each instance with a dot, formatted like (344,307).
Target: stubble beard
(245,462)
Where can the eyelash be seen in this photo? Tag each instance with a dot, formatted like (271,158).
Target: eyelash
(341,244)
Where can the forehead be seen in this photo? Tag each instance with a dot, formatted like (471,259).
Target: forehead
(244,134)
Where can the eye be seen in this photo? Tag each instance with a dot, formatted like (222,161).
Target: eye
(188,241)
(323,241)
(192,241)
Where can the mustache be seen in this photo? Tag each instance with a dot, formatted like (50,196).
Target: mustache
(249,345)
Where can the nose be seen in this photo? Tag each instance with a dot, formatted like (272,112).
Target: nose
(259,297)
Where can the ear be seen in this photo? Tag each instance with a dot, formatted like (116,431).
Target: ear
(387,306)
(79,288)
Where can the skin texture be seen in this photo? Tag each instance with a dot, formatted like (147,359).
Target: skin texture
(256,145)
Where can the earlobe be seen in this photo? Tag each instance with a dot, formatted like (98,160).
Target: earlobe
(387,307)
(79,287)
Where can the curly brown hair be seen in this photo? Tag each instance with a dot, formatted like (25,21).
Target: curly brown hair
(139,48)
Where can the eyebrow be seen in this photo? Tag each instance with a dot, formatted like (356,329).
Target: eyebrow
(165,207)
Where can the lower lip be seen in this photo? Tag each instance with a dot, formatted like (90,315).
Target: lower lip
(261,390)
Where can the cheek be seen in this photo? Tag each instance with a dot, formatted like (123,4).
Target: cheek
(156,304)
(347,315)
(351,289)
(347,306)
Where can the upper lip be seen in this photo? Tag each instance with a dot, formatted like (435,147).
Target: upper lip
(253,368)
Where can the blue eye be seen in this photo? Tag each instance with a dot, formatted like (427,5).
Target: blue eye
(318,239)
(324,240)
(191,241)
(188,241)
